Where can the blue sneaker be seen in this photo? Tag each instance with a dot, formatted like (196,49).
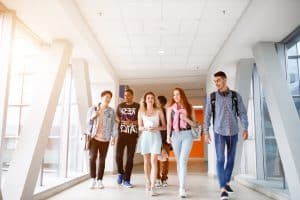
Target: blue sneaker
(127,184)
(120,179)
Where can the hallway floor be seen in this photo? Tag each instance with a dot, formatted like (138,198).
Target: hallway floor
(199,186)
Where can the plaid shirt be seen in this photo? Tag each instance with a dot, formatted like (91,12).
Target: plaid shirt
(226,122)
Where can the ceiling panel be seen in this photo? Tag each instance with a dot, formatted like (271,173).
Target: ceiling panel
(162,34)
(177,10)
(144,40)
(167,51)
(139,10)
(177,40)
(161,27)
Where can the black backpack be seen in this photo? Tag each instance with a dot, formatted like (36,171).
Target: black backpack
(234,103)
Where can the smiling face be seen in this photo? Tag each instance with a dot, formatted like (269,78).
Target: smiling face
(106,99)
(220,82)
(176,96)
(150,99)
(128,97)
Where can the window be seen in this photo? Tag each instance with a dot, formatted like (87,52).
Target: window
(269,163)
(24,50)
(292,45)
(64,152)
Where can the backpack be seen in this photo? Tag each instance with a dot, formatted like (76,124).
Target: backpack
(90,123)
(234,103)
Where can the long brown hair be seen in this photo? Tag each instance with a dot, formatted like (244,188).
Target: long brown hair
(143,103)
(184,102)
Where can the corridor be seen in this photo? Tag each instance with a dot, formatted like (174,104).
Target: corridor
(200,186)
(60,59)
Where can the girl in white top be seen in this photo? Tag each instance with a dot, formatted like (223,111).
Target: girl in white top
(149,119)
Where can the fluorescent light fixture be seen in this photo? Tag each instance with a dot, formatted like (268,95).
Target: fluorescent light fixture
(198,107)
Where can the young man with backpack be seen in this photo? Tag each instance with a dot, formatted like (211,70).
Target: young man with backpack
(225,106)
(103,131)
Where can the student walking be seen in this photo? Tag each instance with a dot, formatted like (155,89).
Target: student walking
(180,120)
(103,132)
(127,115)
(163,159)
(225,106)
(150,118)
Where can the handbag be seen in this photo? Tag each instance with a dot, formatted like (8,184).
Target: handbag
(196,131)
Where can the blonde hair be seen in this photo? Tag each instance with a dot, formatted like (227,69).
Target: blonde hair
(143,104)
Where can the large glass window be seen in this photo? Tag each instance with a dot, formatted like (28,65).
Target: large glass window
(269,165)
(293,71)
(20,91)
(272,163)
(64,157)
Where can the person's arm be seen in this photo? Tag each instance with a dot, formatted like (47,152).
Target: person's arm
(114,128)
(243,117)
(192,121)
(207,117)
(92,114)
(118,114)
(140,122)
(90,120)
(163,123)
(169,125)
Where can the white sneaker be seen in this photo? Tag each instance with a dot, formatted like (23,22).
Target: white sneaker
(153,192)
(164,183)
(182,193)
(100,184)
(93,184)
(148,185)
(158,183)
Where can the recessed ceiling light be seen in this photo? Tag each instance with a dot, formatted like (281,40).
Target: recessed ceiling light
(161,52)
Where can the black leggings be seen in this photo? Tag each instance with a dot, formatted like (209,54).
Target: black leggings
(102,147)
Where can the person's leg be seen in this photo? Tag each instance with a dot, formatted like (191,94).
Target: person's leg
(131,146)
(231,143)
(147,161)
(187,143)
(220,147)
(93,156)
(153,169)
(158,170)
(119,153)
(165,164)
(176,144)
(103,147)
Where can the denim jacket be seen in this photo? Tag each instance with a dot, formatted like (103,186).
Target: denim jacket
(110,127)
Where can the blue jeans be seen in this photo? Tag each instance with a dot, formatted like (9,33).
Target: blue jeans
(225,172)
(182,142)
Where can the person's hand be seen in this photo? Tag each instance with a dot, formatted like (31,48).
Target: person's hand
(151,128)
(245,135)
(94,114)
(113,141)
(207,138)
(169,140)
(183,116)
